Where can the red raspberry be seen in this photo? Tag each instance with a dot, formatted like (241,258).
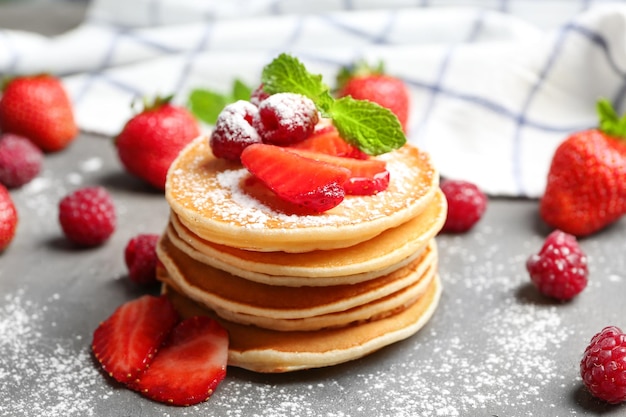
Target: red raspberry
(233,130)
(141,259)
(20,160)
(286,118)
(87,216)
(258,95)
(466,205)
(603,366)
(559,270)
(8,218)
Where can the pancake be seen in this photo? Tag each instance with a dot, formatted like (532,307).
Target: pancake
(217,201)
(220,290)
(373,310)
(271,351)
(390,250)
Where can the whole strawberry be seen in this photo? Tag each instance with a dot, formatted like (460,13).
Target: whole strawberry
(363,82)
(20,160)
(151,140)
(38,108)
(8,218)
(586,184)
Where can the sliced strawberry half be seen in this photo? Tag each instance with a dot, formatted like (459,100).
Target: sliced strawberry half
(316,186)
(367,177)
(328,141)
(126,342)
(189,366)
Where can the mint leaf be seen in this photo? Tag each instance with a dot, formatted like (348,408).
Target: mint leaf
(241,91)
(372,128)
(206,105)
(287,74)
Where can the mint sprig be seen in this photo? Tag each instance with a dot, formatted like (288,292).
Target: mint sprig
(370,127)
(206,104)
(610,122)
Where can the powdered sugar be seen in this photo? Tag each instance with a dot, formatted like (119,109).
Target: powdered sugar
(52,376)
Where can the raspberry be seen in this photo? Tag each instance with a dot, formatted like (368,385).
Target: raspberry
(20,160)
(87,216)
(466,205)
(258,95)
(603,366)
(141,259)
(559,270)
(286,118)
(233,130)
(8,218)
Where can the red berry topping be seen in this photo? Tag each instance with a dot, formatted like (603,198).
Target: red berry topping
(141,258)
(189,366)
(315,186)
(8,218)
(258,95)
(559,270)
(367,177)
(233,130)
(20,160)
(87,216)
(603,366)
(126,342)
(466,205)
(286,118)
(327,140)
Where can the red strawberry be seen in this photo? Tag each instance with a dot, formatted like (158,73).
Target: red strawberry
(126,342)
(38,108)
(190,365)
(366,83)
(328,141)
(313,185)
(367,176)
(586,184)
(8,218)
(152,139)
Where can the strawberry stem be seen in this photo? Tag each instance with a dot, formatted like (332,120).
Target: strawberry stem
(610,123)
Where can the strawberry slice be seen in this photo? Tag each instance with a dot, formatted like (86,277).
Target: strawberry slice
(367,177)
(328,141)
(127,341)
(312,185)
(190,365)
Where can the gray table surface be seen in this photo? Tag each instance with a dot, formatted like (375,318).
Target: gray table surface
(493,348)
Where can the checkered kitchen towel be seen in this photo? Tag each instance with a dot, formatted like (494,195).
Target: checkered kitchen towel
(496,85)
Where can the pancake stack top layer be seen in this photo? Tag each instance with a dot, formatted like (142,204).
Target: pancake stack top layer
(301,291)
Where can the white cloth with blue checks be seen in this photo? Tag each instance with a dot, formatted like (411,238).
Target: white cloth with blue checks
(496,85)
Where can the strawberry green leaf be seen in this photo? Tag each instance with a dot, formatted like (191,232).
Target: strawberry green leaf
(368,126)
(373,129)
(610,122)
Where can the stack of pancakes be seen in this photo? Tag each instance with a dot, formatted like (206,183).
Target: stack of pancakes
(296,290)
